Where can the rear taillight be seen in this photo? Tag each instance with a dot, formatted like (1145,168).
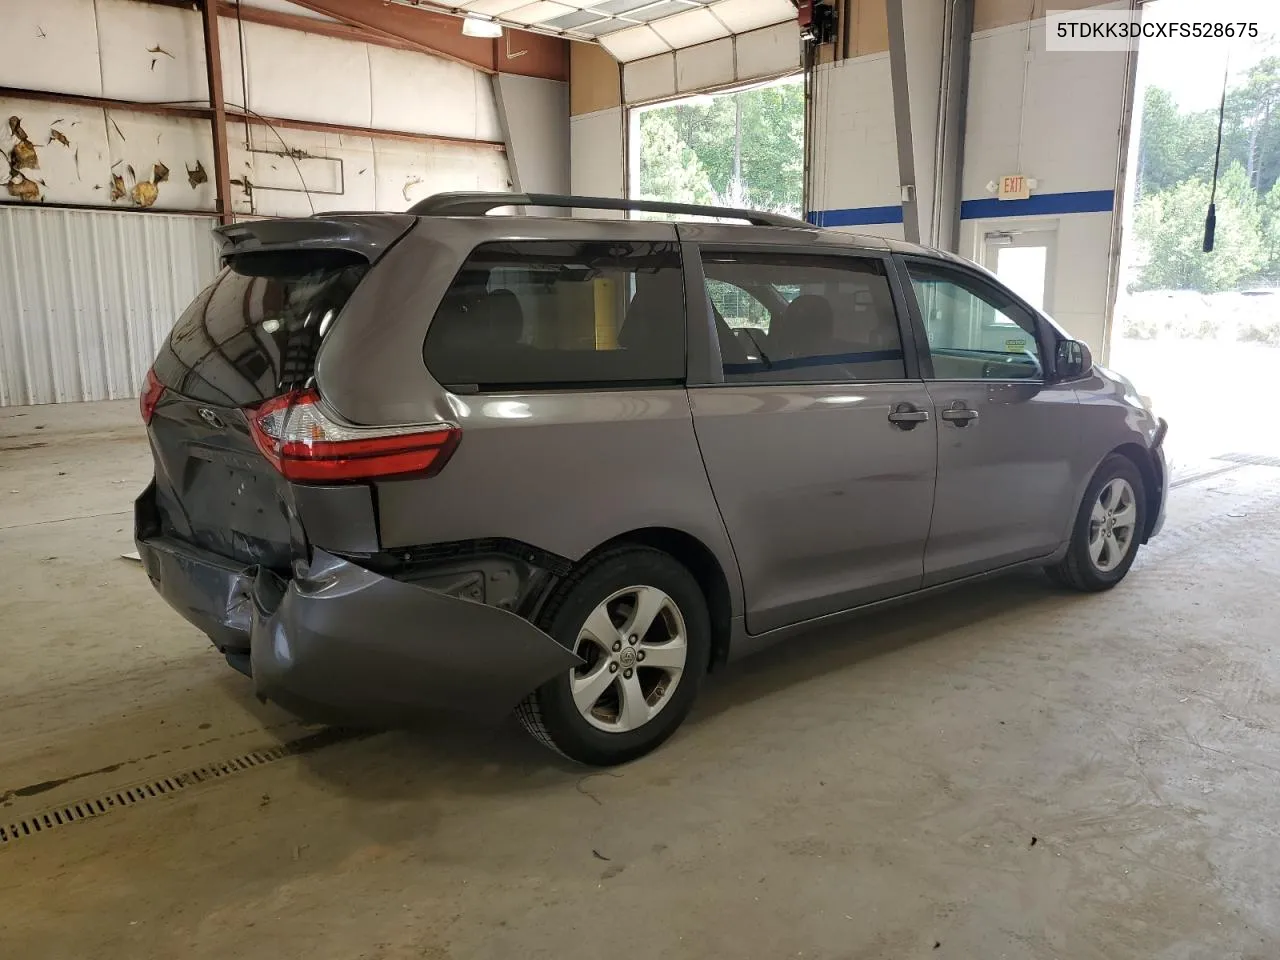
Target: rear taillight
(152,391)
(306,444)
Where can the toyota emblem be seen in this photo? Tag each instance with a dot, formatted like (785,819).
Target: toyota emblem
(211,418)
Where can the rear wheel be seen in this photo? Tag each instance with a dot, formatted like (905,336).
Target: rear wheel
(639,621)
(1108,528)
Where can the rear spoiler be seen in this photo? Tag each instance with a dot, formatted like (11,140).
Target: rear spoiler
(368,235)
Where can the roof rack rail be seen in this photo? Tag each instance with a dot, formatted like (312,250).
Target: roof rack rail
(479,204)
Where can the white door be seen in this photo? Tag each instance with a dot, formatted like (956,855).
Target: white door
(1023,260)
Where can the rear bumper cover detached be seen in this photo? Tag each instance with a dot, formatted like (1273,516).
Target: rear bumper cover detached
(1162,468)
(340,643)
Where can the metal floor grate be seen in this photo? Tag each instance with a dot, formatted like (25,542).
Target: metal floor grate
(163,786)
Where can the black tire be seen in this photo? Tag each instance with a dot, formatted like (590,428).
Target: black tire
(1077,570)
(549,713)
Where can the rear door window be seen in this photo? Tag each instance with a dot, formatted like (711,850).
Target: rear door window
(555,314)
(810,318)
(255,331)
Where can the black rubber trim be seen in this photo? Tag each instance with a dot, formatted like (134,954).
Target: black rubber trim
(424,554)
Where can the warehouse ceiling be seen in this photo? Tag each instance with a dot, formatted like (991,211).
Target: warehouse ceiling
(630,29)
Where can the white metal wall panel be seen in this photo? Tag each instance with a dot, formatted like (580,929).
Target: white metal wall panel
(536,113)
(51,45)
(150,52)
(407,90)
(763,53)
(304,76)
(283,6)
(338,172)
(86,297)
(705,67)
(359,84)
(1067,132)
(650,79)
(409,172)
(596,156)
(753,55)
(855,160)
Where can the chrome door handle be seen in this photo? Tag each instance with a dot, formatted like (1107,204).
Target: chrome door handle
(905,416)
(959,414)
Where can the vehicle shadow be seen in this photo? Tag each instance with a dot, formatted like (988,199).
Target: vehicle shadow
(458,759)
(866,636)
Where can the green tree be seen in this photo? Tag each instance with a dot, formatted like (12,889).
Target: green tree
(669,169)
(1270,211)
(1255,116)
(1170,228)
(750,143)
(773,147)
(1173,146)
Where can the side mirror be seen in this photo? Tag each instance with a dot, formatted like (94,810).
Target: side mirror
(1073,360)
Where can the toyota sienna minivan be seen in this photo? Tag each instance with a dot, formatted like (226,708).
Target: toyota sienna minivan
(451,462)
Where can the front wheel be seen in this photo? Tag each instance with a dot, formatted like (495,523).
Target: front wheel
(639,621)
(1108,528)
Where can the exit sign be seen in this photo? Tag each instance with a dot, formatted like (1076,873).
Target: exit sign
(1014,187)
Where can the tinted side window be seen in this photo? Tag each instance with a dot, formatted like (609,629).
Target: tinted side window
(976,331)
(821,319)
(547,314)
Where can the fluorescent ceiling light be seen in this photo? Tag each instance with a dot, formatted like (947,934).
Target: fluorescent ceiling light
(477,26)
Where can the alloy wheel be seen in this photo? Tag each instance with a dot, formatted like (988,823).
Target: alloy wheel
(1112,525)
(634,646)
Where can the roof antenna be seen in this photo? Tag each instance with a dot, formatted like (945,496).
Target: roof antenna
(1211,221)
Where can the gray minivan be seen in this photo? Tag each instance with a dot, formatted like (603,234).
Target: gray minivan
(450,462)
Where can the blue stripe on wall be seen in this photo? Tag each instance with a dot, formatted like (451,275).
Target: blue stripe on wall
(856,216)
(988,208)
(1040,205)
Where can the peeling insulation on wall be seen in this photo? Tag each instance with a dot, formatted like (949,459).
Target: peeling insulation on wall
(90,156)
(87,296)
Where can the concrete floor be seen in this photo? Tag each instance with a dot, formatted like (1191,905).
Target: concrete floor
(1007,772)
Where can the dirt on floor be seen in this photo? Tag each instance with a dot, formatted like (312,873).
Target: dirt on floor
(1008,771)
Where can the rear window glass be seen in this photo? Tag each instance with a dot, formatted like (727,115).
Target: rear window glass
(546,314)
(254,332)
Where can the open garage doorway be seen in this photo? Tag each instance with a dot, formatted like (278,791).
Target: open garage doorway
(737,148)
(1200,333)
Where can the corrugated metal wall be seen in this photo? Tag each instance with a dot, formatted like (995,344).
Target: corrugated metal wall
(86,298)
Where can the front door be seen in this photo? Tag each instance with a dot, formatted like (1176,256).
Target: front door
(821,450)
(1006,437)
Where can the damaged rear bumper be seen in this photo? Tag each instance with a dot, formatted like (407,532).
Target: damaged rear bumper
(1162,469)
(339,643)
